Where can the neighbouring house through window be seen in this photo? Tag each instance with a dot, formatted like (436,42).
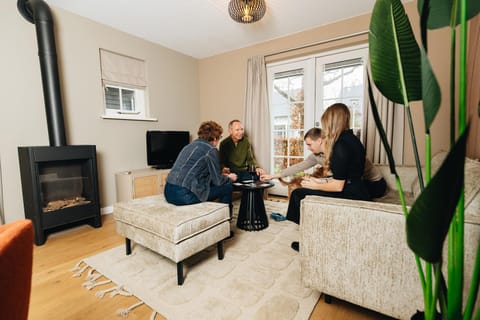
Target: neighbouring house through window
(124,87)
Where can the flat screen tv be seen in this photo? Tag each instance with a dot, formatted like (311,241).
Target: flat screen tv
(163,147)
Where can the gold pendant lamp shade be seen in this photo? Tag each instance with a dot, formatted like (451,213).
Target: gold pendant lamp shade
(247,11)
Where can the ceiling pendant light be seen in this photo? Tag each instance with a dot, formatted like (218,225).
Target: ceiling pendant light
(247,11)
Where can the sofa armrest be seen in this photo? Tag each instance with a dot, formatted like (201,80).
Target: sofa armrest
(357,251)
(354,250)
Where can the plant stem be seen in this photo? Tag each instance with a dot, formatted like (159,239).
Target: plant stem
(455,292)
(415,148)
(473,292)
(405,213)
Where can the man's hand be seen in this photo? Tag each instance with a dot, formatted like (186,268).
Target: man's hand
(225,171)
(260,171)
(232,177)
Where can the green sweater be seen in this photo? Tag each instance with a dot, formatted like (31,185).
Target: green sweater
(236,157)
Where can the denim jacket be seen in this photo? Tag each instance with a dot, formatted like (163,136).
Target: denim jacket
(196,168)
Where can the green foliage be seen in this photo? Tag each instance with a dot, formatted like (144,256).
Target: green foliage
(402,72)
(392,44)
(429,219)
(440,12)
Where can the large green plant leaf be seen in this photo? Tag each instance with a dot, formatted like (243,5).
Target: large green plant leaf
(394,53)
(440,11)
(381,130)
(430,91)
(429,219)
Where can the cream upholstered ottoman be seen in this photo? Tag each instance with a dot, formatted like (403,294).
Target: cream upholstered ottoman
(175,232)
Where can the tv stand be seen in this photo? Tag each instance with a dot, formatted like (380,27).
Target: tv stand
(140,183)
(161,167)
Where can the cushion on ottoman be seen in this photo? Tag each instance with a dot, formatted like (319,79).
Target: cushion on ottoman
(170,222)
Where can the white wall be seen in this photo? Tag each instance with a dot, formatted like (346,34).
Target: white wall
(172,82)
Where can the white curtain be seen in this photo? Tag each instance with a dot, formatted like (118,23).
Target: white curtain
(2,214)
(257,115)
(473,85)
(392,116)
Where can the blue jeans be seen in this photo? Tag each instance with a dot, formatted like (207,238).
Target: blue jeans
(182,196)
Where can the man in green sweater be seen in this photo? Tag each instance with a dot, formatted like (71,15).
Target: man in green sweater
(236,154)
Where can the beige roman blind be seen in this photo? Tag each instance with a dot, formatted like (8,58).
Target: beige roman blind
(120,69)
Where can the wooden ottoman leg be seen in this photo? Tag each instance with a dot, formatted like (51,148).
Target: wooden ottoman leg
(128,246)
(180,273)
(220,250)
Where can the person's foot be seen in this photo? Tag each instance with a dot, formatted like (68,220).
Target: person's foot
(295,245)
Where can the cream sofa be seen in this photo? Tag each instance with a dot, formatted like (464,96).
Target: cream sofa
(356,250)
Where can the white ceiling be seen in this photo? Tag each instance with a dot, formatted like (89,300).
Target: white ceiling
(203,28)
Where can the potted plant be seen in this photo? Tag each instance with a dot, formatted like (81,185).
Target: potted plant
(401,71)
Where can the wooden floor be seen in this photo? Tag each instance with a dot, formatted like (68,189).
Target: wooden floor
(57,295)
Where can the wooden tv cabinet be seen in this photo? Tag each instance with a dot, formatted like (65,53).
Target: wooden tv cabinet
(139,183)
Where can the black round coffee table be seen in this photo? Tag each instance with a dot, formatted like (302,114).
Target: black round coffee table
(252,215)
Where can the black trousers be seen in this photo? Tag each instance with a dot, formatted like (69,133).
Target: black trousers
(377,189)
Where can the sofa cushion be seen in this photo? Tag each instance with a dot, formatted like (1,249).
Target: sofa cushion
(170,222)
(392,197)
(472,186)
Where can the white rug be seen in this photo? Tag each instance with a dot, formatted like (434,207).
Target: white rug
(259,277)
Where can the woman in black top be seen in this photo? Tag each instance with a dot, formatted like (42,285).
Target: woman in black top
(344,161)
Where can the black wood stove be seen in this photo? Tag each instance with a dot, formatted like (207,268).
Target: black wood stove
(59,181)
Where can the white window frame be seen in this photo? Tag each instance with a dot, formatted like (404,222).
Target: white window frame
(313,80)
(139,106)
(358,51)
(123,72)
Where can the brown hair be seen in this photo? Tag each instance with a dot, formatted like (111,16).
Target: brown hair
(313,133)
(335,120)
(210,130)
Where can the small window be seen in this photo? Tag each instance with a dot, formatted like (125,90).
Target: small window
(123,101)
(124,87)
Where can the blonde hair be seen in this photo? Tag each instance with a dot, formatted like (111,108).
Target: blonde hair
(335,120)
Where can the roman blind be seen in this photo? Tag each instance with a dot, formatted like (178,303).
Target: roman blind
(120,69)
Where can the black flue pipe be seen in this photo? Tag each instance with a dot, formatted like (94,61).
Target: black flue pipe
(38,13)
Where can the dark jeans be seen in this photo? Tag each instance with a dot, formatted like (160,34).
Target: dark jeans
(182,196)
(377,189)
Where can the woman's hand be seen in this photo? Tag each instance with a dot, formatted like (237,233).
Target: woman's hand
(313,183)
(232,176)
(260,172)
(266,176)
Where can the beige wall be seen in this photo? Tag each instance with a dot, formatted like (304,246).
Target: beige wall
(183,91)
(173,88)
(223,77)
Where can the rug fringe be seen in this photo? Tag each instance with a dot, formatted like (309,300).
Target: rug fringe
(152,316)
(92,280)
(91,275)
(120,291)
(101,293)
(77,266)
(89,285)
(79,273)
(124,312)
